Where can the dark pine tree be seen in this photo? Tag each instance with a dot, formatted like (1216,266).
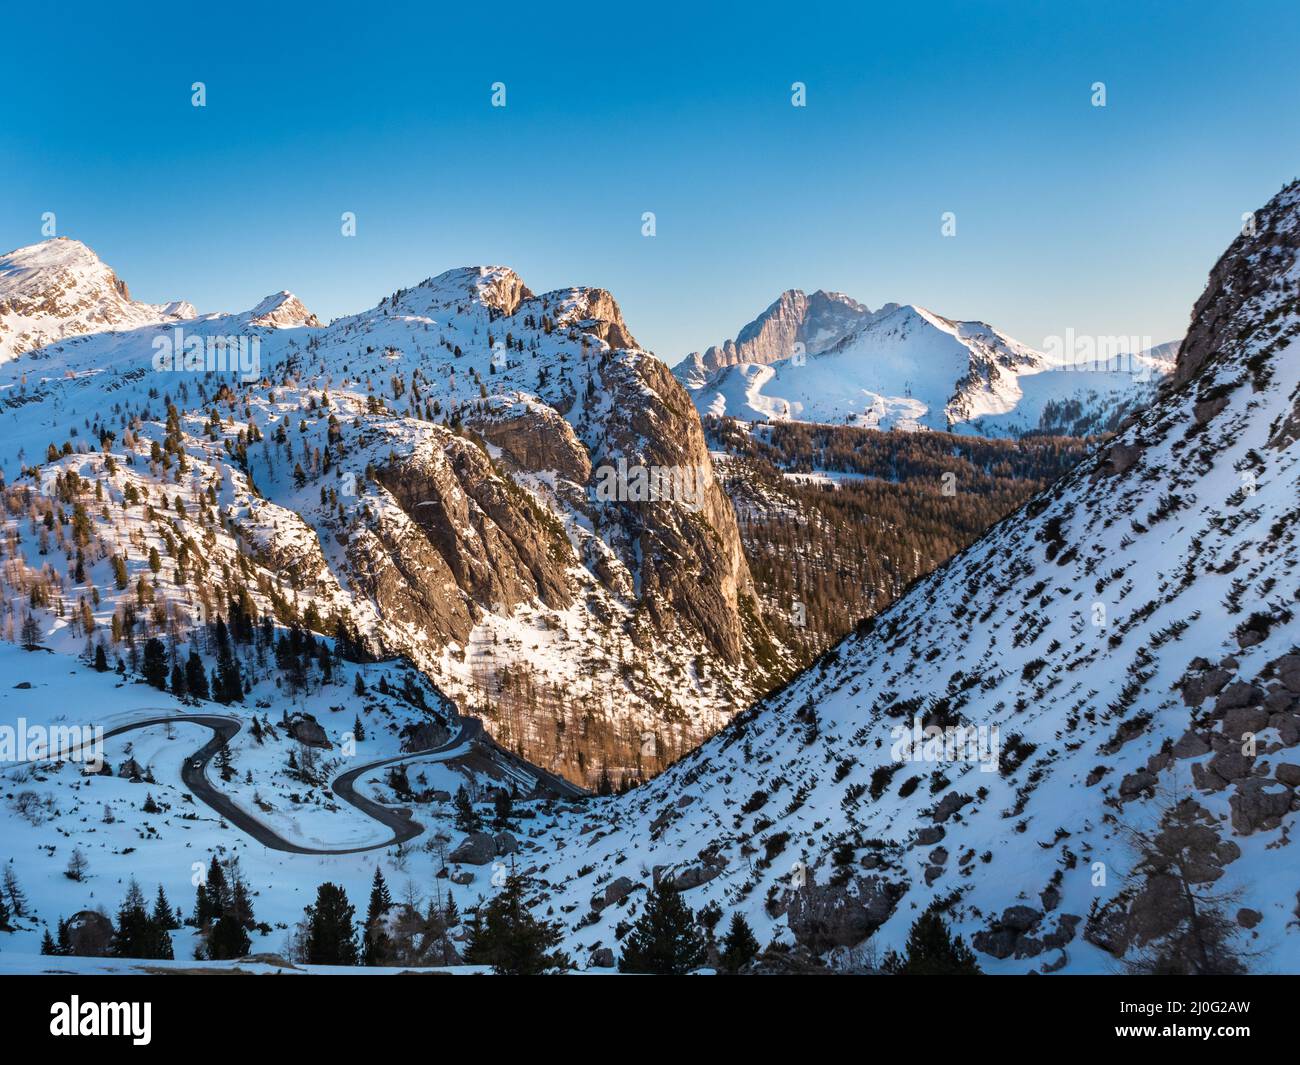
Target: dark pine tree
(155,663)
(664,940)
(505,935)
(218,892)
(228,939)
(137,935)
(467,819)
(502,806)
(202,908)
(196,677)
(740,944)
(932,951)
(377,944)
(163,916)
(230,684)
(178,679)
(330,939)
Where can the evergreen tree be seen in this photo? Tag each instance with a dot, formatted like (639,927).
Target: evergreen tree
(47,944)
(230,684)
(377,944)
(162,915)
(505,935)
(467,819)
(664,940)
(101,659)
(228,939)
(217,890)
(241,902)
(17,898)
(178,680)
(202,908)
(137,936)
(502,805)
(155,663)
(196,678)
(224,765)
(740,945)
(358,730)
(932,951)
(5,926)
(226,911)
(330,938)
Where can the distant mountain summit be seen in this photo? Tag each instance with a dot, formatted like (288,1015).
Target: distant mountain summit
(59,289)
(828,359)
(282,310)
(795,322)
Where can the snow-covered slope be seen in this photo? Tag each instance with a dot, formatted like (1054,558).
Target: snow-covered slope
(58,289)
(1130,635)
(906,367)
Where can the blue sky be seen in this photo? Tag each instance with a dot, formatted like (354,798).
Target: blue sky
(1101,220)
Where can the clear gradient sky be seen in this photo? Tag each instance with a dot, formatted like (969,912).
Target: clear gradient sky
(1101,220)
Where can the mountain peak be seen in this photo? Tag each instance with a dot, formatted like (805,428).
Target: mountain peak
(52,254)
(793,319)
(282,310)
(499,287)
(60,288)
(36,267)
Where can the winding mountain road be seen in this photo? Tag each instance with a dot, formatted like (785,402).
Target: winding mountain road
(194,775)
(397,819)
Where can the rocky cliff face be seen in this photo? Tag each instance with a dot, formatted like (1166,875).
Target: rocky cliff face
(817,322)
(461,544)
(692,572)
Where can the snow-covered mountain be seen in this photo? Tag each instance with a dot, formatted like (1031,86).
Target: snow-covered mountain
(59,289)
(1123,657)
(906,367)
(795,322)
(433,470)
